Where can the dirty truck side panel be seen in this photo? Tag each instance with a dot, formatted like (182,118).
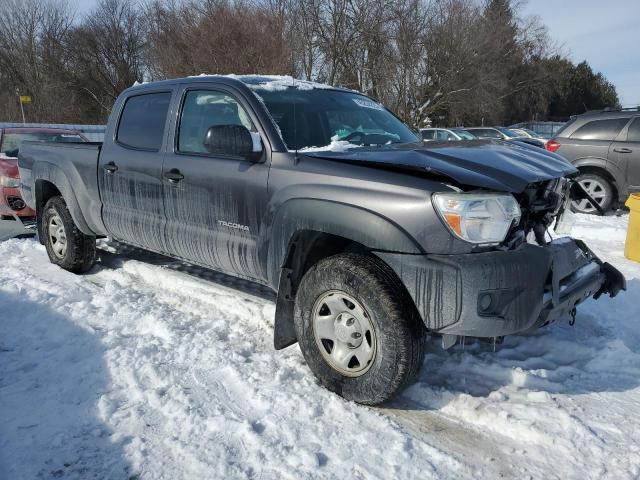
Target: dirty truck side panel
(71,168)
(130,177)
(381,210)
(216,212)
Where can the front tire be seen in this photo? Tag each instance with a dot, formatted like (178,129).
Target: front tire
(357,328)
(599,188)
(66,245)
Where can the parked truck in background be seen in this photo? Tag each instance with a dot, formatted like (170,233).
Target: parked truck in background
(369,237)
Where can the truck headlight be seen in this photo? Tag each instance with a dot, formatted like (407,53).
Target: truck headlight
(478,217)
(9,182)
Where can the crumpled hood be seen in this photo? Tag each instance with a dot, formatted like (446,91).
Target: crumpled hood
(491,164)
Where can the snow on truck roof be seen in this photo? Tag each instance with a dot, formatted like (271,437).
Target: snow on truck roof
(256,81)
(278,82)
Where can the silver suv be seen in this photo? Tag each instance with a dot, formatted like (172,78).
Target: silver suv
(605,147)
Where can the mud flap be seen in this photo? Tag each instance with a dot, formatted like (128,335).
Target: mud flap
(284,333)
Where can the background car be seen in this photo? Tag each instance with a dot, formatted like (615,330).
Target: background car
(525,132)
(605,147)
(485,132)
(440,134)
(462,133)
(503,133)
(12,206)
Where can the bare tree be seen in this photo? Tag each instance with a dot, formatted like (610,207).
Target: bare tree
(106,53)
(32,59)
(215,36)
(446,62)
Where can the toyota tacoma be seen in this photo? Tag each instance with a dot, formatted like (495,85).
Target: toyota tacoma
(371,239)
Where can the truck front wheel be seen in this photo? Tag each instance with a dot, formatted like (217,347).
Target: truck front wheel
(357,328)
(66,246)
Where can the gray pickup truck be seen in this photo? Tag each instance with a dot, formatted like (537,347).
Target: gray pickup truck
(370,238)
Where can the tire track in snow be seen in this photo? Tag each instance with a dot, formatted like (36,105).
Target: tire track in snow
(466,445)
(196,389)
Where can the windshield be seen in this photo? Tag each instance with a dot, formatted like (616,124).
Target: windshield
(11,141)
(509,133)
(531,132)
(464,135)
(326,119)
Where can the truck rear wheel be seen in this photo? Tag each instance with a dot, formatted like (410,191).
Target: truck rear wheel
(66,246)
(357,328)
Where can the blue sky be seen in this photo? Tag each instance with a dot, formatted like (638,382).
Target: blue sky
(605,33)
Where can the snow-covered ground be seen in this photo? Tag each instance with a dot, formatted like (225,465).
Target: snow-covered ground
(146,368)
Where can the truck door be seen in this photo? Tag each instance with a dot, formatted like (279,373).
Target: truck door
(214,204)
(625,152)
(130,172)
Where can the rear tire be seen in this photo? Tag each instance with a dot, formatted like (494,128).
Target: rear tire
(600,188)
(66,245)
(357,328)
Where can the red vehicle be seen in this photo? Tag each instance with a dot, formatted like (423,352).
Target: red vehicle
(12,205)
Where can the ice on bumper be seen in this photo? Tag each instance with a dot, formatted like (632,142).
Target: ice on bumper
(498,293)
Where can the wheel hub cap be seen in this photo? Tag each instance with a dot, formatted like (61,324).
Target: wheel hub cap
(57,236)
(344,333)
(348,330)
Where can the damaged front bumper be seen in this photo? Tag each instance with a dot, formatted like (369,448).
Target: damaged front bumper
(498,293)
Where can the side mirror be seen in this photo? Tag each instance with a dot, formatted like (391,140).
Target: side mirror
(234,140)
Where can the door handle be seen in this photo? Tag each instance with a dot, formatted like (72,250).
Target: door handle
(622,150)
(110,167)
(173,175)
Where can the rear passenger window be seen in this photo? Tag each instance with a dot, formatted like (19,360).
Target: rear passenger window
(633,134)
(142,121)
(427,134)
(486,133)
(600,129)
(441,135)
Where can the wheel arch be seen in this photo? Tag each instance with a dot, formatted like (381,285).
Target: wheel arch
(307,231)
(44,190)
(51,181)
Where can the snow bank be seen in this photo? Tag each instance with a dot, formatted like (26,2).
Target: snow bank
(142,369)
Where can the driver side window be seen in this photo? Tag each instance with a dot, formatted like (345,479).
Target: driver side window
(203,109)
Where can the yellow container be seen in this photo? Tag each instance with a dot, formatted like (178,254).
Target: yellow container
(632,245)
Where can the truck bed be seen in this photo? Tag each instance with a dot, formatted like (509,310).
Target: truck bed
(69,166)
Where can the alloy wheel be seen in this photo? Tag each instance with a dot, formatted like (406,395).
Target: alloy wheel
(597,191)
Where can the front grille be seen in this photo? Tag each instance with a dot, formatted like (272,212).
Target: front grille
(543,197)
(540,202)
